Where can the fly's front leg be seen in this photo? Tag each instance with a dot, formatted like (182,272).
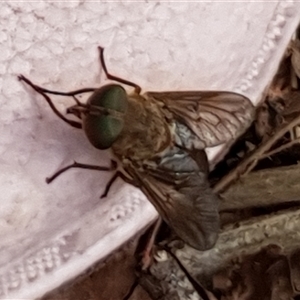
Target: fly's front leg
(40,89)
(137,88)
(44,93)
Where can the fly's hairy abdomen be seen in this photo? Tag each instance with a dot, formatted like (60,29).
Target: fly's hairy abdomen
(178,188)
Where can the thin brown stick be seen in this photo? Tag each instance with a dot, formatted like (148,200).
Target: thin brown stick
(131,289)
(250,162)
(279,149)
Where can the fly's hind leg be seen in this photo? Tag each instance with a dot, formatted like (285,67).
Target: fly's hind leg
(147,255)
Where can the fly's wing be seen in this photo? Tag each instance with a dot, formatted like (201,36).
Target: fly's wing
(213,117)
(180,192)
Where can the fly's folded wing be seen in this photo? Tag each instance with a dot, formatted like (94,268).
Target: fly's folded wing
(213,117)
(180,192)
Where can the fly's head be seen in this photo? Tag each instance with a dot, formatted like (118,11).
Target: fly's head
(103,115)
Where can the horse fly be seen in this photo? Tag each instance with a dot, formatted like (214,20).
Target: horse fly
(159,139)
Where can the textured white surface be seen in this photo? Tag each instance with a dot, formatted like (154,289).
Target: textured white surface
(50,233)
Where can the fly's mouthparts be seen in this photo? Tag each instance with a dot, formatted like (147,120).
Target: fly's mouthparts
(93,110)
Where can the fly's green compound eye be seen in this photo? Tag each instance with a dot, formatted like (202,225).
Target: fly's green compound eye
(103,130)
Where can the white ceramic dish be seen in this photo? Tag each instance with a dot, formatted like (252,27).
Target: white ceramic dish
(51,233)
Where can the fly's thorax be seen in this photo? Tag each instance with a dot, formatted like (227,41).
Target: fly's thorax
(146,131)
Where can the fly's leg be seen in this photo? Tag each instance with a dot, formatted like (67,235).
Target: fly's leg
(112,167)
(147,255)
(137,88)
(40,89)
(44,93)
(54,109)
(110,183)
(115,177)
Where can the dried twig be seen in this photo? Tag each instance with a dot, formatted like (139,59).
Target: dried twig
(250,162)
(281,148)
